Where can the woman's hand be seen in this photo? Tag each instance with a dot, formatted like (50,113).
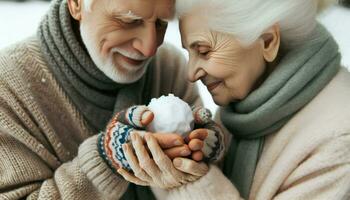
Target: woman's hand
(157,169)
(207,141)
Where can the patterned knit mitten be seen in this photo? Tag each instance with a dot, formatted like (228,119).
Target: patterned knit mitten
(118,133)
(214,146)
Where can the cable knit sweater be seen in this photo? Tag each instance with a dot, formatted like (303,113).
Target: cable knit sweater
(47,150)
(307,159)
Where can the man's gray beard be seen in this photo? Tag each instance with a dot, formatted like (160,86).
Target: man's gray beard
(106,65)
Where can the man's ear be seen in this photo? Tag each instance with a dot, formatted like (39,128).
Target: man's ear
(271,42)
(75,8)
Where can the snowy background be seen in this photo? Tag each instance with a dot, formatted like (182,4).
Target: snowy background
(19,20)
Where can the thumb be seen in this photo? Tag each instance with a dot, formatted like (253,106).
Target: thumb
(190,166)
(201,115)
(147,117)
(137,116)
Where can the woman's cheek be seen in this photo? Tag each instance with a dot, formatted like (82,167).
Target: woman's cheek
(237,87)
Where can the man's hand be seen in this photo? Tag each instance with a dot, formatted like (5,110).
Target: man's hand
(156,168)
(140,116)
(118,133)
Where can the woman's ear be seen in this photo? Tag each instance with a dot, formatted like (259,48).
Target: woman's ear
(271,42)
(75,8)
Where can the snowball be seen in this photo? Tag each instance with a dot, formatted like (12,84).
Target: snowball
(171,115)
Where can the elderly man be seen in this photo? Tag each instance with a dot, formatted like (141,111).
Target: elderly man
(60,88)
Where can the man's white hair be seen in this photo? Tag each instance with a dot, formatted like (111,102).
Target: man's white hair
(247,20)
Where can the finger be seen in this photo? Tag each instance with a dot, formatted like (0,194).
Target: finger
(147,118)
(131,178)
(195,144)
(168,140)
(197,156)
(142,135)
(157,153)
(191,167)
(172,176)
(200,133)
(134,116)
(181,151)
(145,162)
(134,164)
(201,115)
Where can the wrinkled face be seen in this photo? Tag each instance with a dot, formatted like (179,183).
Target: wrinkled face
(122,35)
(229,71)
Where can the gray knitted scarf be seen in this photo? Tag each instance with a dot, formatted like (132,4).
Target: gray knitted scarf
(300,75)
(92,92)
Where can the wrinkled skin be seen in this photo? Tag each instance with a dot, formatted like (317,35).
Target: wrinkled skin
(107,28)
(121,36)
(121,43)
(228,69)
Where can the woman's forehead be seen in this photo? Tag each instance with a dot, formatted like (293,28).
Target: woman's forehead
(191,23)
(191,26)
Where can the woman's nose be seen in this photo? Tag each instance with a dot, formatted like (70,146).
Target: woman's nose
(195,73)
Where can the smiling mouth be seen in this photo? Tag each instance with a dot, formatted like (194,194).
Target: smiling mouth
(212,86)
(131,61)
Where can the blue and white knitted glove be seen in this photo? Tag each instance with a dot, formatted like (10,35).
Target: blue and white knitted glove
(118,133)
(210,133)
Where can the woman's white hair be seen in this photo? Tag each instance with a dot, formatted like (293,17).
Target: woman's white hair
(248,19)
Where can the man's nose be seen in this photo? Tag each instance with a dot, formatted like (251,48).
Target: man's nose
(146,41)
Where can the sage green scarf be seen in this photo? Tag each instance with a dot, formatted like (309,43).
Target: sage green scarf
(95,95)
(300,75)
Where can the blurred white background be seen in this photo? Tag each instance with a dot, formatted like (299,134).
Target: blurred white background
(20,20)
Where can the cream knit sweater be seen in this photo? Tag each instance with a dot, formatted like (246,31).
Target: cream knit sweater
(308,159)
(47,151)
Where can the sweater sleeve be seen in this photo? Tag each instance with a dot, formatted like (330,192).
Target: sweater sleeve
(35,164)
(26,173)
(213,185)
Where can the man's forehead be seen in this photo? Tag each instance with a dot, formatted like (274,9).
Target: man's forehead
(131,15)
(162,9)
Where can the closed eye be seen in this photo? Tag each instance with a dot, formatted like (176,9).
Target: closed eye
(161,24)
(130,21)
(203,50)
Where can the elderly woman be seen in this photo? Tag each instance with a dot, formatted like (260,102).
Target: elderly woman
(285,99)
